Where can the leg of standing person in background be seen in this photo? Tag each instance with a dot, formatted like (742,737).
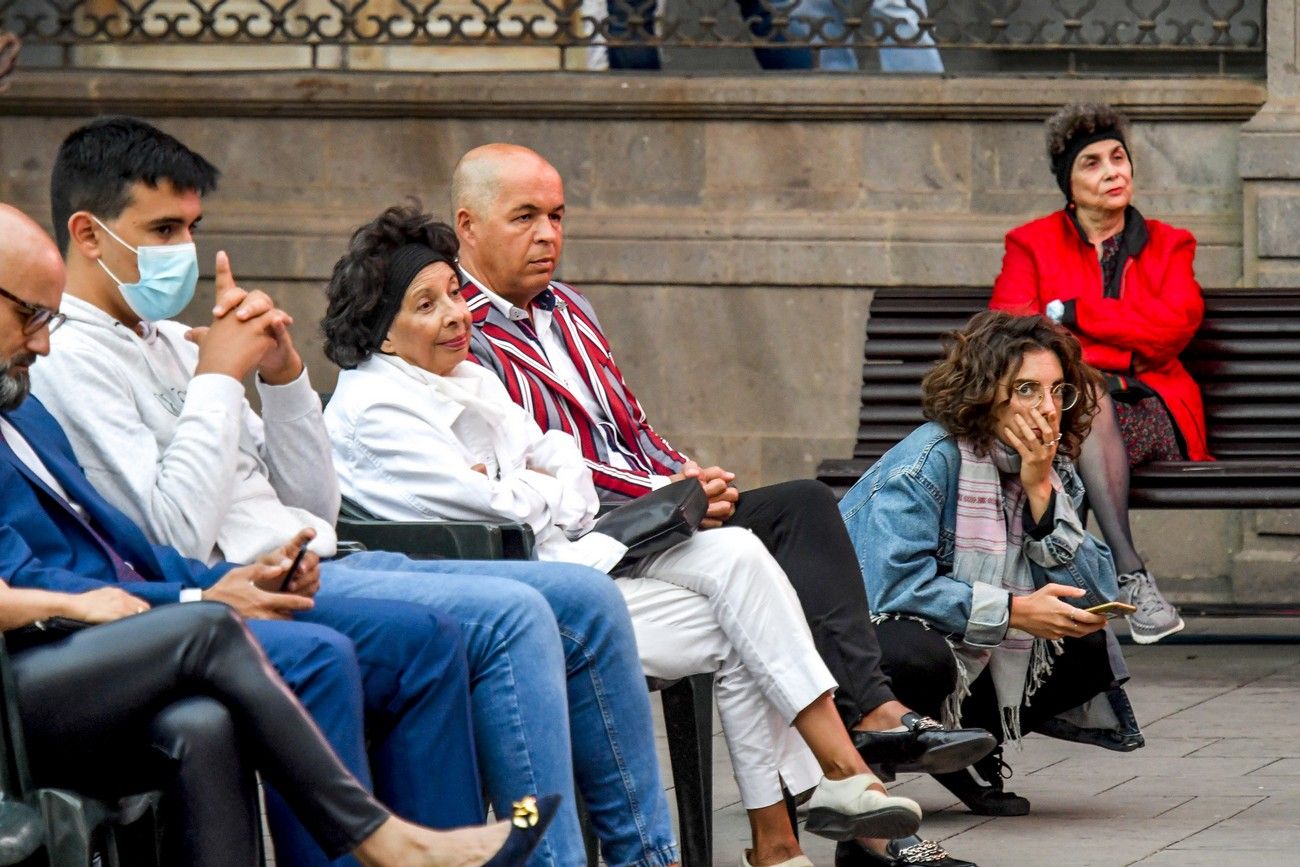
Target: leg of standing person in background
(823,20)
(624,24)
(901,22)
(759,18)
(537,633)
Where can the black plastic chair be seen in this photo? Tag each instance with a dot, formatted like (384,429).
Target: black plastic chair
(430,540)
(59,827)
(688,703)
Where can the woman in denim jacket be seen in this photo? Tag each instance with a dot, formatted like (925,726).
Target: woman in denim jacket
(976,561)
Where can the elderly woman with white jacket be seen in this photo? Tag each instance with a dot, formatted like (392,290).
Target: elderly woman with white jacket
(420,432)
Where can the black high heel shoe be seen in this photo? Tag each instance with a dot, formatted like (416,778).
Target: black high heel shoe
(529,821)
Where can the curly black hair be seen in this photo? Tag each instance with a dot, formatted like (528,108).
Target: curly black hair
(356,288)
(961,391)
(1079,119)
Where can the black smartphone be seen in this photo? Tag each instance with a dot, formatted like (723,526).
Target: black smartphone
(293,569)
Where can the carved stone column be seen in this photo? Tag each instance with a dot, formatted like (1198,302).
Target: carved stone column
(1265,567)
(1269,161)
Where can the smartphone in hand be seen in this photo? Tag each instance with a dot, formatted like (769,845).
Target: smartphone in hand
(293,569)
(1111,610)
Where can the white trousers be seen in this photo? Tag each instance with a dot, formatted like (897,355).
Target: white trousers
(720,604)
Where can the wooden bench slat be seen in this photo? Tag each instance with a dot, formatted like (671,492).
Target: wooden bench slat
(1234,326)
(1252,390)
(1236,368)
(1245,347)
(1257,412)
(907,350)
(911,371)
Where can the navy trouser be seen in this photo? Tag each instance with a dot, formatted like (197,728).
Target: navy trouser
(401,667)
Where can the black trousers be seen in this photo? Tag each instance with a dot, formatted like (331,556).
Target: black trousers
(800,524)
(183,700)
(921,664)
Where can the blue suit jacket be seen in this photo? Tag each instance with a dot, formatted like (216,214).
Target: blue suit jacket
(44,544)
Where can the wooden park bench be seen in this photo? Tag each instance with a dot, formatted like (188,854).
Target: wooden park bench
(1246,357)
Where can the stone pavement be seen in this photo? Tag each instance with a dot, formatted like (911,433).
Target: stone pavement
(1218,782)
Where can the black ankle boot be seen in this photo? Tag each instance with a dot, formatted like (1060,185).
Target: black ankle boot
(980,787)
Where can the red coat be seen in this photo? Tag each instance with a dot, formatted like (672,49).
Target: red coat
(1158,308)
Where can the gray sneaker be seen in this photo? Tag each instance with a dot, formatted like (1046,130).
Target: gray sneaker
(1155,617)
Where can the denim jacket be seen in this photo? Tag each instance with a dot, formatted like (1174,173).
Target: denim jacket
(902,517)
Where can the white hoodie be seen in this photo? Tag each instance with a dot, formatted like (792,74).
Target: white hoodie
(185,456)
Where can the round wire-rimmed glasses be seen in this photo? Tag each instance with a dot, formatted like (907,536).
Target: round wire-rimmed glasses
(1030,394)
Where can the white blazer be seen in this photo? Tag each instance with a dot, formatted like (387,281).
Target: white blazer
(405,441)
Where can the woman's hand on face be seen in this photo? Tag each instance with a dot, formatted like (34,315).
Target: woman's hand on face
(1035,439)
(104,605)
(1045,614)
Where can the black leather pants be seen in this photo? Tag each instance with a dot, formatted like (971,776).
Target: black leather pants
(183,700)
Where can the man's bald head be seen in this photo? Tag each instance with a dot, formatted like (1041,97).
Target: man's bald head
(509,216)
(31,270)
(485,171)
(29,261)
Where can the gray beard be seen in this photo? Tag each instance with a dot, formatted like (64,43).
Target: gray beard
(13,387)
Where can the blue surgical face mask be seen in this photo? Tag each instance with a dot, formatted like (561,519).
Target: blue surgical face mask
(169,273)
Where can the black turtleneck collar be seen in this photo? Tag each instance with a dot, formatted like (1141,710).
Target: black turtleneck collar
(1134,240)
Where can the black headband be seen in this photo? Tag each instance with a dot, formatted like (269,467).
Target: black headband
(1063,163)
(404,263)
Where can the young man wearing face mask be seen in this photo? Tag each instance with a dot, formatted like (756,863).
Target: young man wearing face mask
(156,414)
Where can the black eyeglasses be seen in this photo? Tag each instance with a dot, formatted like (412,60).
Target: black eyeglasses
(37,317)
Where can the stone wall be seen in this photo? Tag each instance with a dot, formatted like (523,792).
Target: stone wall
(729,228)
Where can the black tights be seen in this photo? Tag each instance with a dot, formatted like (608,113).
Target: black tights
(1103,466)
(182,699)
(920,664)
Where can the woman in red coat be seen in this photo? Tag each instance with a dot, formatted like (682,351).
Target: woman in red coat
(1125,286)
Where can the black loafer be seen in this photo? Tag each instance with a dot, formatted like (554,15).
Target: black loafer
(925,747)
(900,853)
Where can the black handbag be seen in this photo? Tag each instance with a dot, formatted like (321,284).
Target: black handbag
(40,632)
(656,521)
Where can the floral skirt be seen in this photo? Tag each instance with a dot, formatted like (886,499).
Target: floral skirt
(1148,432)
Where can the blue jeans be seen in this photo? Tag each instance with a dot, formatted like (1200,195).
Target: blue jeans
(402,670)
(898,18)
(754,12)
(536,633)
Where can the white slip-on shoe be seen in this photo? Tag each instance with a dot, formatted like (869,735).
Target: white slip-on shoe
(796,861)
(844,809)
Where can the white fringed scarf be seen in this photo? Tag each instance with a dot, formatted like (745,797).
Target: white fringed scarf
(988,549)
